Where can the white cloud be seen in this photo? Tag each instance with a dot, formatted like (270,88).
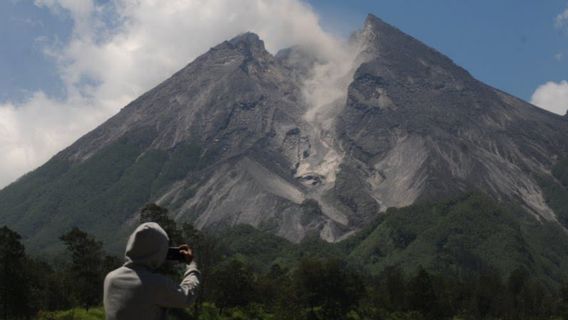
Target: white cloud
(552,96)
(122,48)
(33,132)
(561,20)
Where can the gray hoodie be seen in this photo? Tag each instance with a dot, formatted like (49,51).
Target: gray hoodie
(134,291)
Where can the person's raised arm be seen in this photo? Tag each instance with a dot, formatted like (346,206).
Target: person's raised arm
(172,295)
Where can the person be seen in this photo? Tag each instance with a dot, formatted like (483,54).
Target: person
(135,291)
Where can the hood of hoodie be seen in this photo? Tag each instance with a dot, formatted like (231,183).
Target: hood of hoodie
(147,246)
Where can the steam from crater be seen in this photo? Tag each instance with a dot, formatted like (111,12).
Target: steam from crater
(325,92)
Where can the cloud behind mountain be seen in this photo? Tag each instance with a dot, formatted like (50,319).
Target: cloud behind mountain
(120,49)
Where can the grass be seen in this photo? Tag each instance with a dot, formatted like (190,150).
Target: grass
(73,314)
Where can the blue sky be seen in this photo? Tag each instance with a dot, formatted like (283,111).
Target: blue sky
(67,65)
(24,29)
(513,45)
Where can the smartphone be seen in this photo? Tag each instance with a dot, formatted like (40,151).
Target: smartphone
(174,254)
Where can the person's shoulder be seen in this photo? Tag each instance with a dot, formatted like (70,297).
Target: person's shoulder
(155,279)
(109,278)
(117,272)
(113,272)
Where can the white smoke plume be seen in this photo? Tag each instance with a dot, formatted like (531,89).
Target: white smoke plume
(325,91)
(121,48)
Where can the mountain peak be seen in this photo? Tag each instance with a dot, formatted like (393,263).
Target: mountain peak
(376,25)
(376,34)
(387,43)
(374,21)
(249,42)
(248,38)
(370,30)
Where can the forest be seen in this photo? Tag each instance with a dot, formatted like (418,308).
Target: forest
(249,274)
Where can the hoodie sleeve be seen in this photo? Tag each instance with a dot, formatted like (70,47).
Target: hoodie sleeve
(172,295)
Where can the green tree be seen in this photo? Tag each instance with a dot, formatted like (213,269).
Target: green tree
(487,295)
(328,287)
(516,283)
(563,300)
(207,255)
(155,213)
(270,284)
(50,286)
(421,293)
(232,285)
(86,270)
(14,290)
(394,289)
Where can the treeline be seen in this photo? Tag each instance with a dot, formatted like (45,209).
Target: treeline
(235,286)
(29,284)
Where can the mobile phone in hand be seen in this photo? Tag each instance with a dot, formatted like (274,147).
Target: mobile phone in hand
(174,254)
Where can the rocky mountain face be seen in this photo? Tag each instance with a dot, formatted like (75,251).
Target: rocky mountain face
(238,137)
(425,127)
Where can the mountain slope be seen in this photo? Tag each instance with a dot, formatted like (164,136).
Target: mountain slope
(461,237)
(217,128)
(233,138)
(425,128)
(466,235)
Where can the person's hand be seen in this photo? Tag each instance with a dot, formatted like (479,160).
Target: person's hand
(186,251)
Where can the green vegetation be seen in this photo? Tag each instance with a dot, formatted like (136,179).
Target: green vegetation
(32,288)
(464,236)
(467,235)
(184,158)
(14,287)
(81,193)
(100,192)
(72,314)
(466,258)
(88,265)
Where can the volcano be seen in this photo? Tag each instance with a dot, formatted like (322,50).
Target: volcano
(238,137)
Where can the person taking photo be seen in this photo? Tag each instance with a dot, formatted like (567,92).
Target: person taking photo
(136,291)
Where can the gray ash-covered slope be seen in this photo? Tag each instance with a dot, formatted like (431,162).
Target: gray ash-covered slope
(230,139)
(216,143)
(425,128)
